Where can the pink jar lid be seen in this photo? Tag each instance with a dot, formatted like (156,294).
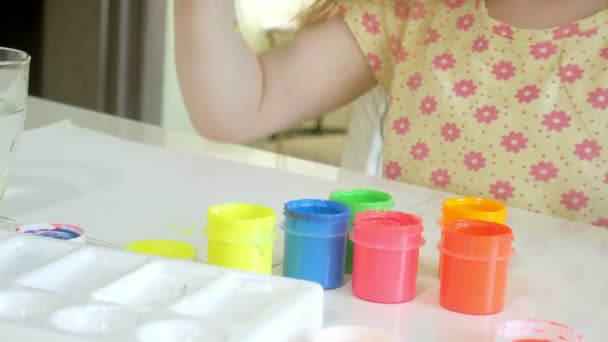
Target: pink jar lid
(536,330)
(352,334)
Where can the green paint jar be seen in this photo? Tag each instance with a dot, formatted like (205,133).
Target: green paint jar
(360,200)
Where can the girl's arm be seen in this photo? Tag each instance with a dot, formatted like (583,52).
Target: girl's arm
(233,95)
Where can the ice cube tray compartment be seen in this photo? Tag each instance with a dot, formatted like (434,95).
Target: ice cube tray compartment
(179,330)
(155,284)
(231,298)
(19,304)
(95,320)
(82,270)
(20,253)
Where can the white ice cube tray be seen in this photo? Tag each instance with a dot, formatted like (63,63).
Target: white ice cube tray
(55,291)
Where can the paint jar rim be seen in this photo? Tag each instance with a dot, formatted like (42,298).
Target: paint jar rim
(328,218)
(477,240)
(316,210)
(311,235)
(241,223)
(485,209)
(363,199)
(478,231)
(536,329)
(325,210)
(393,230)
(164,248)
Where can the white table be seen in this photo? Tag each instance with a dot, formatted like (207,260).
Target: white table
(560,272)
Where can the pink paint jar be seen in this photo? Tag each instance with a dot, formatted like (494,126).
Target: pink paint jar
(385,257)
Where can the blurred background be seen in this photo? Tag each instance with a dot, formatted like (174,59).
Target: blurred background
(116,56)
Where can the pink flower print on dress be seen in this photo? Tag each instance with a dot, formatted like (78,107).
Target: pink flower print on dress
(486,114)
(464,88)
(454,4)
(399,52)
(341,10)
(589,33)
(587,150)
(418,12)
(574,200)
(598,98)
(601,222)
(465,22)
(441,178)
(528,94)
(556,120)
(450,132)
(419,151)
(415,81)
(543,172)
(474,161)
(606,178)
(392,170)
(604,53)
(371,23)
(502,190)
(514,142)
(543,50)
(480,44)
(428,105)
(444,61)
(374,61)
(503,70)
(401,9)
(570,73)
(566,31)
(432,36)
(503,30)
(401,125)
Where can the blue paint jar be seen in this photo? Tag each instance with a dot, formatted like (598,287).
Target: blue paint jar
(315,241)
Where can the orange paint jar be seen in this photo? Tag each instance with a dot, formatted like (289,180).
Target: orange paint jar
(474,266)
(471,208)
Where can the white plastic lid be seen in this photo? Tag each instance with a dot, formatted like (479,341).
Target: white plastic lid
(352,334)
(55,231)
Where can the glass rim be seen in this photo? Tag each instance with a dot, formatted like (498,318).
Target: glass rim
(20,57)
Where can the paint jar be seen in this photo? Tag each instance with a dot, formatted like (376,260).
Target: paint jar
(473,208)
(315,241)
(475,263)
(536,330)
(165,248)
(241,236)
(385,260)
(360,200)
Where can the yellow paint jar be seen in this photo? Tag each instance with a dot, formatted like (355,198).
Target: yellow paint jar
(165,248)
(473,208)
(241,236)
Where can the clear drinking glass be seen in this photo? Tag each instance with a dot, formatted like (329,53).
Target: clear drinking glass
(14,74)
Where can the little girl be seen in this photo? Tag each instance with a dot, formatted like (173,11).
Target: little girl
(498,98)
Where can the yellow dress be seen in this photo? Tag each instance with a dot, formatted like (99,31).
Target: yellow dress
(482,108)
